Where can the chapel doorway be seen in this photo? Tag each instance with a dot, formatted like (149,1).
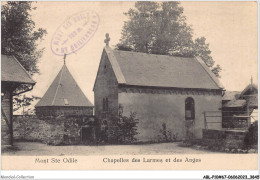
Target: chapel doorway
(87,135)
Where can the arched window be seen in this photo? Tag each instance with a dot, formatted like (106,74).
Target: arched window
(189,109)
(105,104)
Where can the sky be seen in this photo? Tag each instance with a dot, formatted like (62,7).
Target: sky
(229,27)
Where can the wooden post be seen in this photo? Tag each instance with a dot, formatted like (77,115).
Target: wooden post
(81,141)
(11,118)
(205,121)
(248,114)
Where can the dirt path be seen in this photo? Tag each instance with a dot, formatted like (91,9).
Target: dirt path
(33,148)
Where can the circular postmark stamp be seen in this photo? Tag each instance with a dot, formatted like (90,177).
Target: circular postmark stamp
(74,33)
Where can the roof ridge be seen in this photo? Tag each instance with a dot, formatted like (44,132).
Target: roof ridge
(152,54)
(58,85)
(117,69)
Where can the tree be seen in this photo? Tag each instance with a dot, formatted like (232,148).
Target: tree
(123,131)
(19,37)
(161,28)
(127,129)
(23,102)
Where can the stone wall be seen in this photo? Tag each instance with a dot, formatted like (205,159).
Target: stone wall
(29,128)
(64,111)
(53,131)
(106,86)
(232,139)
(155,107)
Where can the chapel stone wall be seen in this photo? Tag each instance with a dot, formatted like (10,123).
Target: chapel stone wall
(157,107)
(106,87)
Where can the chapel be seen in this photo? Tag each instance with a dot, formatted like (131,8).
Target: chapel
(64,98)
(168,93)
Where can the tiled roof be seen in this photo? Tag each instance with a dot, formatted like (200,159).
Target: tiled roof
(253,101)
(249,89)
(235,103)
(152,70)
(13,71)
(64,91)
(230,95)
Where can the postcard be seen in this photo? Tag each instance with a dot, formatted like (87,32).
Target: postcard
(129,85)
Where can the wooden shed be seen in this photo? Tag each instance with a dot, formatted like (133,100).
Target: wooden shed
(13,77)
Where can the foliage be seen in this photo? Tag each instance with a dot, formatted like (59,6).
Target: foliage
(19,37)
(127,129)
(168,136)
(161,28)
(124,129)
(251,137)
(102,131)
(23,102)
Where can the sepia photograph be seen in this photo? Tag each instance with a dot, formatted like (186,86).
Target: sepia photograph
(136,85)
